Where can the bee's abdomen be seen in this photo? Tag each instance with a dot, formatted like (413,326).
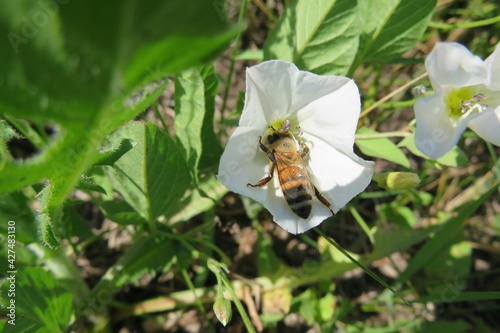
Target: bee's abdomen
(297,189)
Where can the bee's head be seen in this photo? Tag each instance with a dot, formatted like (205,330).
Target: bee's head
(278,130)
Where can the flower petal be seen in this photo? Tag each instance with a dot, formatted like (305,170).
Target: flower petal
(242,162)
(334,116)
(268,93)
(276,90)
(337,175)
(453,64)
(436,134)
(493,65)
(487,125)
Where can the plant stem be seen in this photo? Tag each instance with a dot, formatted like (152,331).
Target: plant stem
(464,25)
(248,325)
(243,6)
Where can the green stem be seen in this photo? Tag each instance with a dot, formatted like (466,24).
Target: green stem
(233,60)
(365,269)
(196,299)
(362,224)
(464,25)
(239,306)
(496,161)
(382,135)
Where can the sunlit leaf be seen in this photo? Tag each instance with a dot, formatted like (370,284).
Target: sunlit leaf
(380,147)
(318,36)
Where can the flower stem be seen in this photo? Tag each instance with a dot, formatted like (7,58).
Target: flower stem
(382,135)
(464,25)
(248,325)
(197,300)
(243,6)
(389,96)
(363,267)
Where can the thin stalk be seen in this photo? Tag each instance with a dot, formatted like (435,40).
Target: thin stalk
(246,320)
(362,224)
(464,25)
(196,299)
(357,263)
(243,6)
(382,135)
(391,95)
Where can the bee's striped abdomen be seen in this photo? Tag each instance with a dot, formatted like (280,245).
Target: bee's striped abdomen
(297,189)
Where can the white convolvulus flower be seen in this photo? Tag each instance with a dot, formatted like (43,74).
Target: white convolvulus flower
(467,94)
(306,123)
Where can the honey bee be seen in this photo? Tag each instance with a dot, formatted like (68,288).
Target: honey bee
(294,178)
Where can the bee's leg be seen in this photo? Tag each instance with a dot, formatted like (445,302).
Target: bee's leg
(266,180)
(323,200)
(304,150)
(266,150)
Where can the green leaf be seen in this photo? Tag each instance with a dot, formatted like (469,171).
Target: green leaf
(100,73)
(145,255)
(460,296)
(121,212)
(15,207)
(189,114)
(212,150)
(41,304)
(153,175)
(6,133)
(326,307)
(457,256)
(47,212)
(395,213)
(195,203)
(318,36)
(380,147)
(28,132)
(455,157)
(391,27)
(447,232)
(87,184)
(109,157)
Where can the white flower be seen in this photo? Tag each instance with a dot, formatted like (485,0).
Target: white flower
(467,94)
(327,110)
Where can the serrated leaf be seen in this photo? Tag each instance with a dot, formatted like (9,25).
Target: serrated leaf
(391,27)
(87,184)
(153,175)
(455,157)
(44,218)
(146,255)
(381,148)
(28,132)
(6,133)
(100,73)
(41,305)
(318,36)
(109,157)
